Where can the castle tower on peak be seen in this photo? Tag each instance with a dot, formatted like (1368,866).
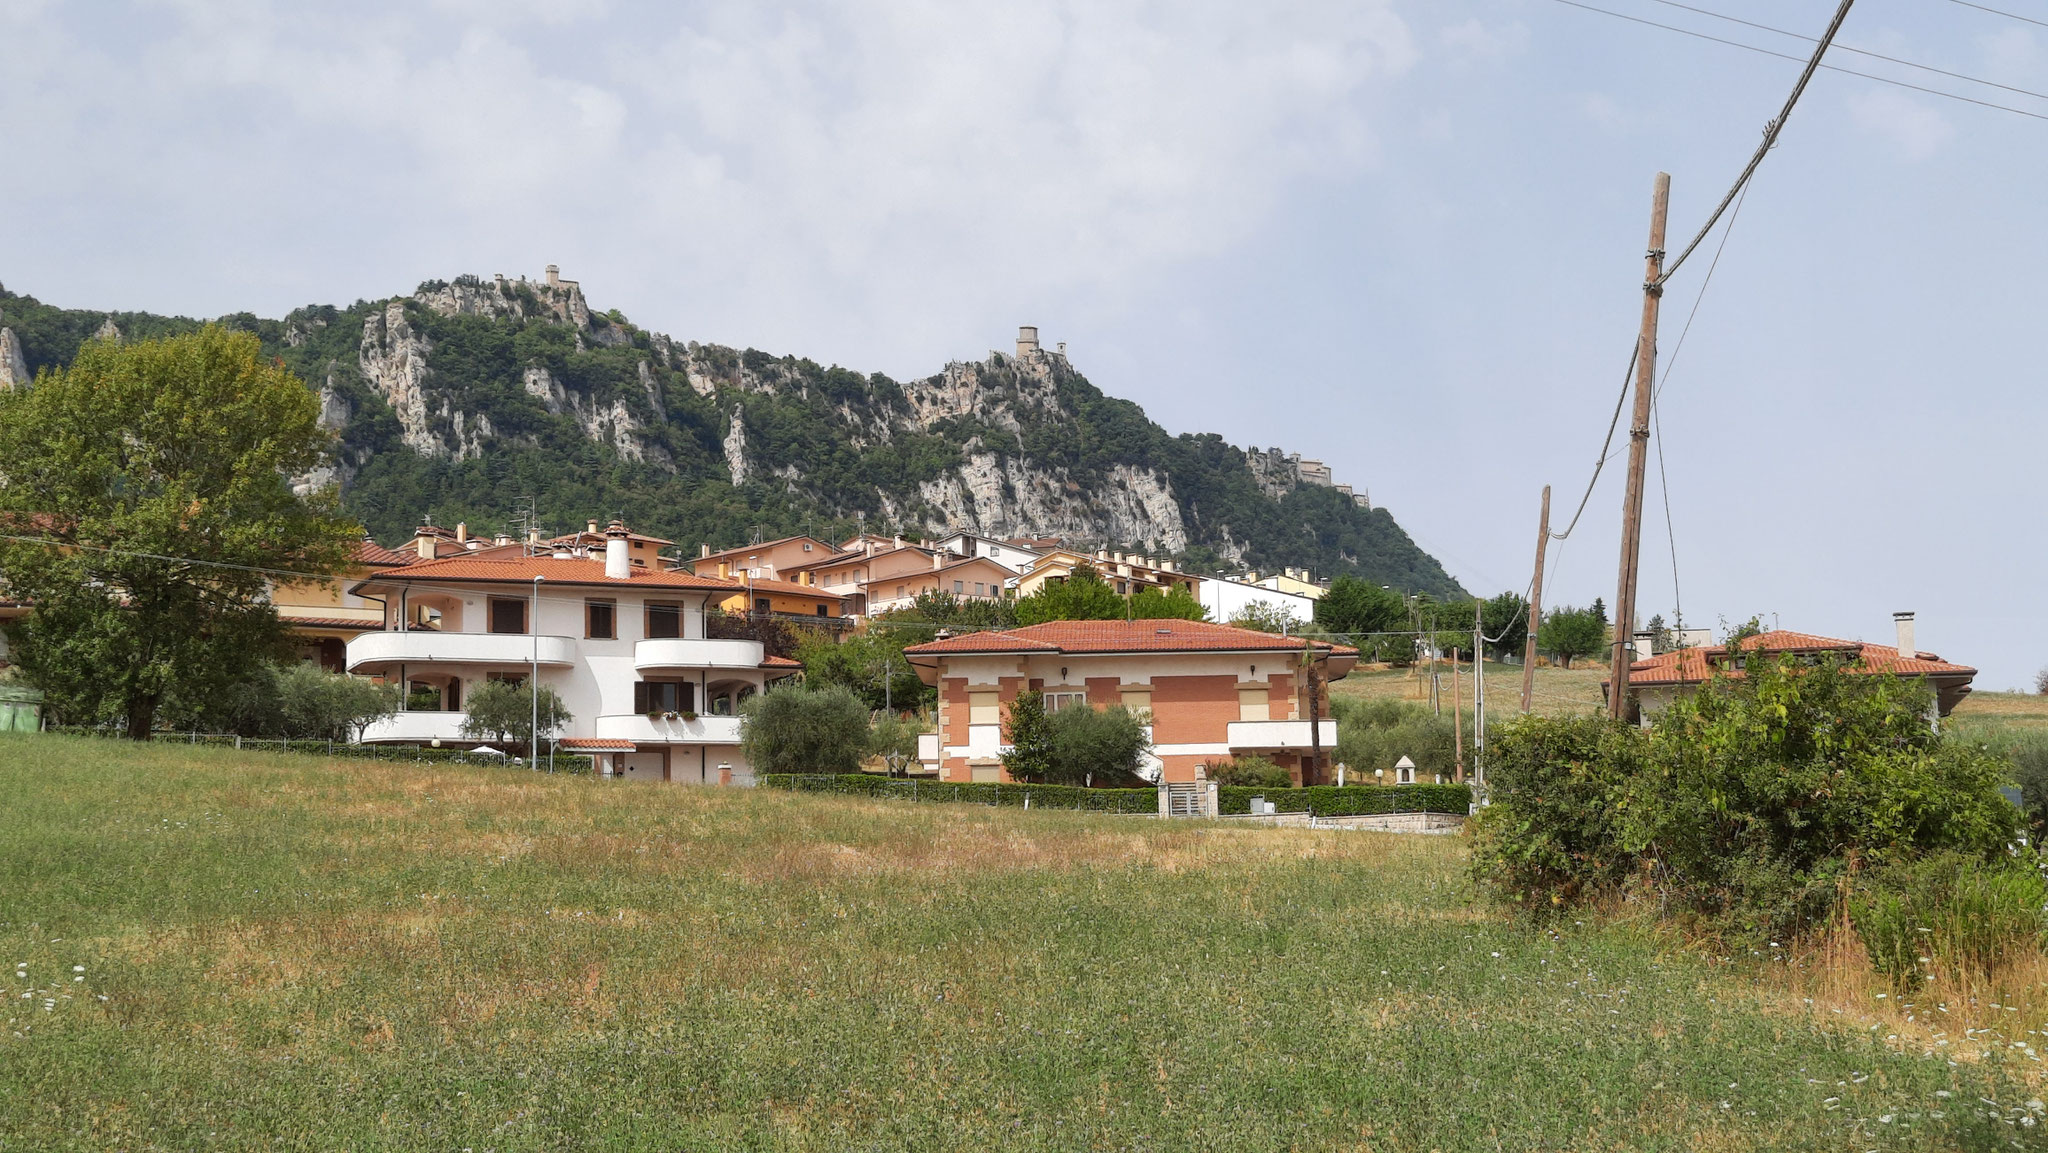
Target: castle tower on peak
(1027,339)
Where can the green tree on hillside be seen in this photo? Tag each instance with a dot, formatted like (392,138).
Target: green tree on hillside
(1358,606)
(159,474)
(1506,617)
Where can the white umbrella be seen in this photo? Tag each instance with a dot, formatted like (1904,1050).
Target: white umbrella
(488,751)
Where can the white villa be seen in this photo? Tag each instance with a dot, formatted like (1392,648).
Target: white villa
(623,645)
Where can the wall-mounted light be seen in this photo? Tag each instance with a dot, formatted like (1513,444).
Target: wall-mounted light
(1063,674)
(1255,670)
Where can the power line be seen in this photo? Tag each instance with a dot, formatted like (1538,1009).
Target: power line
(1678,348)
(1801,59)
(1605,455)
(1771,131)
(1857,51)
(1997,12)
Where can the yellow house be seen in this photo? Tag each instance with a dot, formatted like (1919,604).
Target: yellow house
(1294,581)
(323,616)
(762,596)
(1127,573)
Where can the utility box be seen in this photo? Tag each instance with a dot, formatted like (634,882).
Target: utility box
(21,709)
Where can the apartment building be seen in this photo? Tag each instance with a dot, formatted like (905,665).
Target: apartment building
(623,645)
(1212,692)
(966,578)
(1010,554)
(1126,572)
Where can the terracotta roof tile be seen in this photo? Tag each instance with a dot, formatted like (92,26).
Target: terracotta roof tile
(522,570)
(764,584)
(595,745)
(1691,666)
(330,623)
(781,663)
(1155,636)
(371,553)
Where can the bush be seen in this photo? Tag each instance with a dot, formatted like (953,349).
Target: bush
(298,700)
(1350,800)
(1744,806)
(797,728)
(1375,734)
(1948,912)
(1252,772)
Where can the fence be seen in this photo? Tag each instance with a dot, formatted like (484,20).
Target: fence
(1322,800)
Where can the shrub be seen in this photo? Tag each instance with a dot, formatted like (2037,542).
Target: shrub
(1252,772)
(1744,805)
(1029,731)
(1948,911)
(797,728)
(1350,800)
(945,792)
(1375,734)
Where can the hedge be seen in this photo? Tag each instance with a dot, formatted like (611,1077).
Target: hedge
(1350,800)
(945,792)
(422,754)
(1322,800)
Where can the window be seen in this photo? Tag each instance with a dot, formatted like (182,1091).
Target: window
(821,611)
(1054,702)
(761,606)
(508,616)
(452,698)
(899,590)
(664,620)
(980,588)
(959,587)
(664,697)
(600,620)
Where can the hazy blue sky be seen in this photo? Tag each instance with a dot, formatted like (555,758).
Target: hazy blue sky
(1403,237)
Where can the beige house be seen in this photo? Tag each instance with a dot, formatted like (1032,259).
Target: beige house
(1127,573)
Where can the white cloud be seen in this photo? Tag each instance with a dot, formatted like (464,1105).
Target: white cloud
(1907,123)
(930,160)
(1474,41)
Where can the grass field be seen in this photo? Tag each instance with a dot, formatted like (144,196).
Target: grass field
(1556,691)
(222,950)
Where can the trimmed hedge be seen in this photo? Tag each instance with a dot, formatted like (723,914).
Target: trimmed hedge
(1351,800)
(420,754)
(1322,800)
(946,792)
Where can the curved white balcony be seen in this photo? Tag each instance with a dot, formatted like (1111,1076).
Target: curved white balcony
(416,728)
(678,653)
(1278,735)
(705,730)
(424,646)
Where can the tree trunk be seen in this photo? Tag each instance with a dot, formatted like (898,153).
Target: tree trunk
(141,717)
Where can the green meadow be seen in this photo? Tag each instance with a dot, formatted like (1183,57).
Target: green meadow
(243,951)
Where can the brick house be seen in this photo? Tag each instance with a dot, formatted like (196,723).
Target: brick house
(1212,691)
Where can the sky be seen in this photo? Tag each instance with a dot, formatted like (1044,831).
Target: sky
(1405,238)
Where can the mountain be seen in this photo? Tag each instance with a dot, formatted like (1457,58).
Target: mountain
(472,397)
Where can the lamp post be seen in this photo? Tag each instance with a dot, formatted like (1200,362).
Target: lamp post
(533,679)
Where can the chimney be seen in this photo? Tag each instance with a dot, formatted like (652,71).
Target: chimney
(703,550)
(423,545)
(938,563)
(592,530)
(501,539)
(899,540)
(618,565)
(533,536)
(1904,621)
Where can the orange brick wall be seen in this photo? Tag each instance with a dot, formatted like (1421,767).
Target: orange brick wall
(1193,710)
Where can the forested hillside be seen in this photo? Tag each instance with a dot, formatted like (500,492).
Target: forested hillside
(467,398)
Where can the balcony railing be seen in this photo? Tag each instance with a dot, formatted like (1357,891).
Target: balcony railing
(425,646)
(416,727)
(1292,735)
(706,729)
(696,653)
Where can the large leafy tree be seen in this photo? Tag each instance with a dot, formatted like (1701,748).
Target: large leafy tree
(147,494)
(1357,606)
(1570,633)
(1505,617)
(503,711)
(1083,596)
(805,729)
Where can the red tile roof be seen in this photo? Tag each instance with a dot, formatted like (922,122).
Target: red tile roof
(522,570)
(369,552)
(764,584)
(1159,636)
(781,663)
(330,623)
(595,745)
(1691,666)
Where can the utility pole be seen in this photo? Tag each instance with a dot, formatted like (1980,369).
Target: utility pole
(1535,605)
(1478,695)
(1313,773)
(1638,454)
(1457,722)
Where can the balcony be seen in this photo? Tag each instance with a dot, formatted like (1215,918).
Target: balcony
(425,646)
(643,730)
(416,728)
(1285,735)
(678,653)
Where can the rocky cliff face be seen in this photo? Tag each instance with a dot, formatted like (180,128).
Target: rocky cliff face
(468,397)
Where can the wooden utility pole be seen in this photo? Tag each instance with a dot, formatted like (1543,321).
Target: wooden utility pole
(1638,454)
(1457,721)
(1535,604)
(1312,773)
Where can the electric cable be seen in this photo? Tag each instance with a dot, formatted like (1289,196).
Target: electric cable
(1857,51)
(1999,12)
(1799,59)
(1605,455)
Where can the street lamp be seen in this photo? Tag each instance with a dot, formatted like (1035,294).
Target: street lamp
(533,678)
